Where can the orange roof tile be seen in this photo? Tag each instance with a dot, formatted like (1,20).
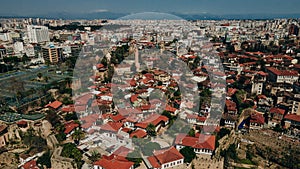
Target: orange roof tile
(30,165)
(292,117)
(155,119)
(55,105)
(277,110)
(167,155)
(201,142)
(70,126)
(111,126)
(153,161)
(113,164)
(138,133)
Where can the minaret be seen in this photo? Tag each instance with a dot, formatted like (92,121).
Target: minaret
(136,55)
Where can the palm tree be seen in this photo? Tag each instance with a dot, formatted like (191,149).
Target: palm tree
(78,135)
(95,155)
(151,130)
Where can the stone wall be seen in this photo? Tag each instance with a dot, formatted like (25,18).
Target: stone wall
(60,162)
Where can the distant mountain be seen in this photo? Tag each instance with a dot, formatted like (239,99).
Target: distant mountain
(207,16)
(115,15)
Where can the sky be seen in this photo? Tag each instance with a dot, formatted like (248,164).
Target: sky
(219,7)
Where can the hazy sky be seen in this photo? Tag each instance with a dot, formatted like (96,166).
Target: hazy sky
(33,7)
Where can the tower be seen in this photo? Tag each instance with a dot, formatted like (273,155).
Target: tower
(136,56)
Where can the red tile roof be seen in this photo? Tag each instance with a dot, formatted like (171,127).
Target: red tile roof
(170,108)
(30,165)
(55,105)
(257,118)
(138,133)
(134,98)
(114,164)
(261,96)
(231,91)
(115,118)
(293,117)
(155,119)
(122,151)
(22,122)
(70,126)
(132,83)
(86,125)
(167,155)
(68,108)
(153,161)
(162,157)
(99,66)
(262,73)
(231,106)
(111,126)
(277,110)
(283,72)
(201,142)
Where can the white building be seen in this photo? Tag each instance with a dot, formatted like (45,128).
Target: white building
(18,47)
(38,34)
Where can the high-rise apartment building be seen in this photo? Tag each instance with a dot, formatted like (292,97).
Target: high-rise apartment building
(38,34)
(52,54)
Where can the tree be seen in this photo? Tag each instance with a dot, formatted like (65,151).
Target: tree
(151,130)
(25,58)
(104,61)
(44,160)
(61,137)
(77,135)
(39,75)
(71,116)
(188,154)
(167,114)
(192,133)
(70,151)
(67,100)
(52,117)
(223,132)
(95,155)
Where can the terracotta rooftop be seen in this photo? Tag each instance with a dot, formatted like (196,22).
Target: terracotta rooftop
(70,126)
(164,156)
(55,105)
(155,119)
(277,110)
(30,165)
(114,164)
(283,72)
(111,126)
(138,133)
(201,142)
(293,117)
